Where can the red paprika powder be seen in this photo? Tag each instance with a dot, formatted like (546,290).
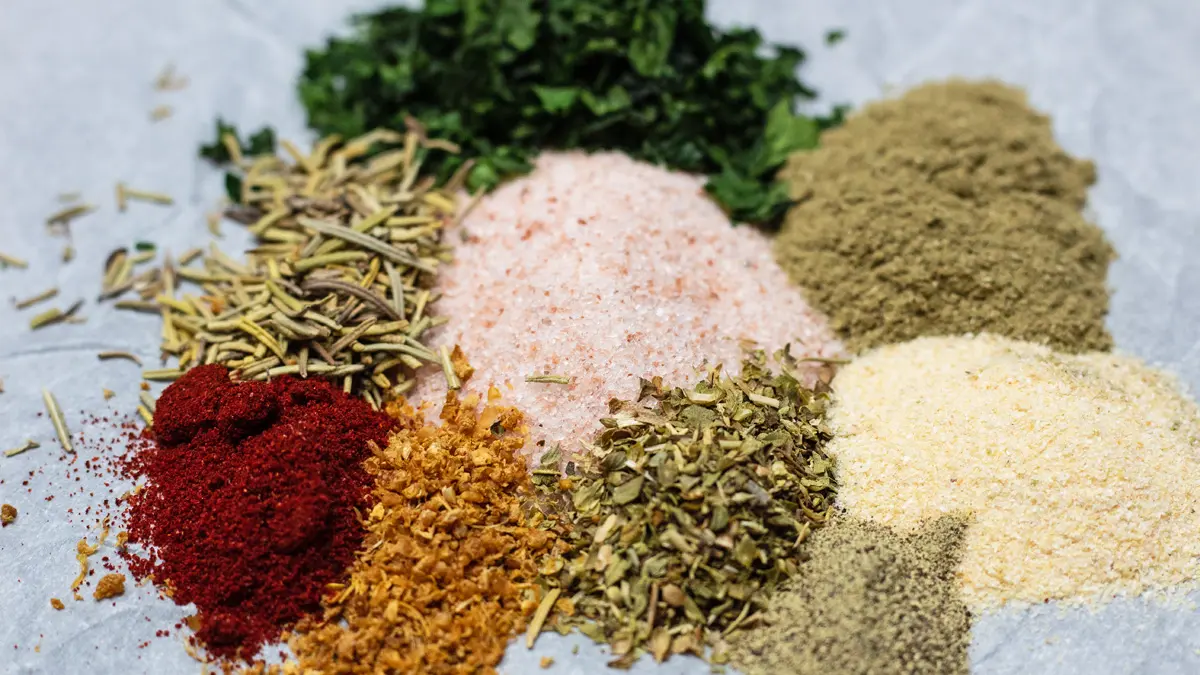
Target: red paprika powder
(248,508)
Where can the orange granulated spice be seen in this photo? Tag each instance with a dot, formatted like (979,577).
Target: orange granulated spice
(109,586)
(446,575)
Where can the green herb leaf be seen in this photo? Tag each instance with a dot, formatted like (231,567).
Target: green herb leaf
(786,133)
(654,35)
(144,246)
(701,499)
(505,79)
(557,99)
(233,187)
(262,142)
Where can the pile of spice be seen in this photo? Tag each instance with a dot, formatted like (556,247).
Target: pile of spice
(506,80)
(447,570)
(1082,471)
(348,242)
(690,513)
(598,270)
(250,497)
(949,210)
(867,601)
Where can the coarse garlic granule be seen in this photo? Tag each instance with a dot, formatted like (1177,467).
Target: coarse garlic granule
(1082,472)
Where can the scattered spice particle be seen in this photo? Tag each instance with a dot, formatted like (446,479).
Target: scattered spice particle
(108,394)
(63,217)
(548,379)
(54,315)
(30,444)
(8,513)
(168,80)
(160,113)
(109,586)
(214,224)
(126,193)
(446,576)
(57,419)
(546,661)
(7,260)
(57,604)
(104,356)
(82,551)
(35,299)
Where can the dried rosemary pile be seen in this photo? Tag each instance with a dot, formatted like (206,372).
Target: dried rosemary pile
(691,512)
(338,283)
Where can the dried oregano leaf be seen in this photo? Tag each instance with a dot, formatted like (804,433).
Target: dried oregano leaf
(691,510)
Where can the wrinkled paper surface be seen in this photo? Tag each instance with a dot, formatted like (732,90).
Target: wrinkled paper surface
(76,85)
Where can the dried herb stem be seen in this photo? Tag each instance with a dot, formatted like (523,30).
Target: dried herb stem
(70,213)
(7,260)
(129,356)
(35,299)
(549,379)
(57,419)
(28,445)
(54,315)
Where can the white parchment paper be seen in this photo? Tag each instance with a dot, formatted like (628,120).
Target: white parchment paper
(76,93)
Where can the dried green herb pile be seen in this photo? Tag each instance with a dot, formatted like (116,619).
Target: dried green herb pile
(868,600)
(948,210)
(692,511)
(505,79)
(338,284)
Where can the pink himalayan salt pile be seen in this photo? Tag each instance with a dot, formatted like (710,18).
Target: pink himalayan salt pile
(605,269)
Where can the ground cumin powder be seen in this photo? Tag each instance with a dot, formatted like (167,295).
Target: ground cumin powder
(870,601)
(445,579)
(948,210)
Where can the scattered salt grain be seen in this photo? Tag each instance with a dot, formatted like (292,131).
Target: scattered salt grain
(605,269)
(1082,472)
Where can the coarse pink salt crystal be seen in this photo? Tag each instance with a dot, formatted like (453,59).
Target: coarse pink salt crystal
(606,269)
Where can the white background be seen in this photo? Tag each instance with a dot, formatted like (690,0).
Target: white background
(1119,79)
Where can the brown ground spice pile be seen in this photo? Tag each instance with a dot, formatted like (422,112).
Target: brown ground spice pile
(452,551)
(948,210)
(869,601)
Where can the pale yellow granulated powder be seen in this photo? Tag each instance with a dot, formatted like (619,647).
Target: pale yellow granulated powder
(1082,471)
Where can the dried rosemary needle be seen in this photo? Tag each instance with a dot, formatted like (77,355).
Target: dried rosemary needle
(57,419)
(7,260)
(337,283)
(35,299)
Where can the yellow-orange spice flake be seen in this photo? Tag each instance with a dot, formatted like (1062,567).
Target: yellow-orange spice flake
(447,573)
(109,586)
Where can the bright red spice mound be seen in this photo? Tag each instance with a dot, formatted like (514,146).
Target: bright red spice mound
(248,506)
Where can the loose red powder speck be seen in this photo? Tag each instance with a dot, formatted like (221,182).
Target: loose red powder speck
(248,509)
